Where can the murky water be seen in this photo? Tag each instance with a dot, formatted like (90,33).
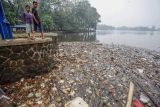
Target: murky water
(77,37)
(143,39)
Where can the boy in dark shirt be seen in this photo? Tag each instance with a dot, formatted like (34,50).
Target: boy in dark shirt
(36,19)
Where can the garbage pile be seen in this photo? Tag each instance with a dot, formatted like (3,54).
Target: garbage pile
(100,74)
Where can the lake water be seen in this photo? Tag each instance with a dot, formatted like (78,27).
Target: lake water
(142,39)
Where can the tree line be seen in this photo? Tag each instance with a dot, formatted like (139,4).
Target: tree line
(138,28)
(57,14)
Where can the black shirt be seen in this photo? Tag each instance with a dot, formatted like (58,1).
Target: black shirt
(35,13)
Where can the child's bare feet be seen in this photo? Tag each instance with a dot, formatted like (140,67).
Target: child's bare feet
(41,36)
(29,36)
(32,38)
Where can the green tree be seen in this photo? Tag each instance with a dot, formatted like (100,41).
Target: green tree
(59,14)
(10,15)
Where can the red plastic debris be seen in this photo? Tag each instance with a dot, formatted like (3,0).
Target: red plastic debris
(137,103)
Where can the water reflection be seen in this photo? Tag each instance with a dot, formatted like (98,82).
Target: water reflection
(142,39)
(77,37)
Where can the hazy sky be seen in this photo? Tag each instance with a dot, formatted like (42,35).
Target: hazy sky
(128,12)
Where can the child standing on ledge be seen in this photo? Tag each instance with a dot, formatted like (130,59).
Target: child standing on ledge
(36,19)
(28,19)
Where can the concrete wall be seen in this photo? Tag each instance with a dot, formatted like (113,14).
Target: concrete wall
(22,58)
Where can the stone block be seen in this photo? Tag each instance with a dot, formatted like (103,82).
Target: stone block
(23,59)
(17,49)
(20,62)
(1,69)
(6,63)
(26,47)
(2,59)
(4,52)
(38,47)
(28,61)
(36,56)
(13,63)
(23,55)
(30,52)
(14,56)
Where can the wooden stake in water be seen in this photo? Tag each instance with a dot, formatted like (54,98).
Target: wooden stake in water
(130,95)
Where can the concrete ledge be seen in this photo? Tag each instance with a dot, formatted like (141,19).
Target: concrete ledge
(23,58)
(23,41)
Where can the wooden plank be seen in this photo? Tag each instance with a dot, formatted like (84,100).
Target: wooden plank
(130,95)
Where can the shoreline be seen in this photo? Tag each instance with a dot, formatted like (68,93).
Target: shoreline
(134,47)
(98,73)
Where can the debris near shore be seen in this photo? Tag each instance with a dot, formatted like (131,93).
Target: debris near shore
(5,101)
(100,74)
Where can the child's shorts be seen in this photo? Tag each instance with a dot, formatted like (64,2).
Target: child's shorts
(38,27)
(29,28)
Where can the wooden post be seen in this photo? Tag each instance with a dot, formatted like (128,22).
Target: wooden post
(130,95)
